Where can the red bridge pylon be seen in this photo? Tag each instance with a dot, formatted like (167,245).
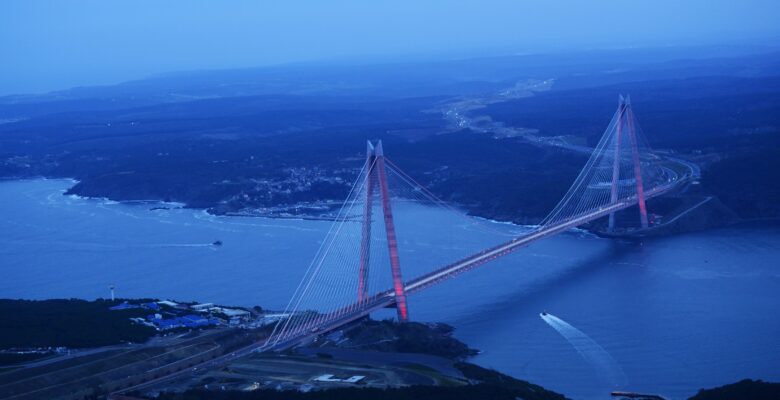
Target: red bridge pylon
(625,120)
(376,175)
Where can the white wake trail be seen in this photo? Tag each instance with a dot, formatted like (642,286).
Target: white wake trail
(607,368)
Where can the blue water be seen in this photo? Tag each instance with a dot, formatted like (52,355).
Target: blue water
(600,360)
(677,314)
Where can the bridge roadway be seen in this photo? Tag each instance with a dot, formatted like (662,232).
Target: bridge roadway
(339,318)
(334,320)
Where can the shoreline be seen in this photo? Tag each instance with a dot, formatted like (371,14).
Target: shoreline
(476,343)
(405,354)
(593,233)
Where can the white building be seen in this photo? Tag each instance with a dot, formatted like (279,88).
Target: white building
(202,306)
(235,313)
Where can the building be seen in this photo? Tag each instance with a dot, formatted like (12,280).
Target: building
(201,307)
(186,321)
(194,321)
(235,313)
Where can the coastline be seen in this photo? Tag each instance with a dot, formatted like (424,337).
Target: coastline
(204,345)
(592,232)
(220,256)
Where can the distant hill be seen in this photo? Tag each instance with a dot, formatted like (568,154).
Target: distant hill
(237,140)
(745,389)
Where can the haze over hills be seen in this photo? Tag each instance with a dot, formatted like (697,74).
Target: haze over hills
(276,138)
(389,199)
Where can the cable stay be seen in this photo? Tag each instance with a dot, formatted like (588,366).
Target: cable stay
(366,262)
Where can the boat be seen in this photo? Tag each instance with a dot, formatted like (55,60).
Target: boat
(216,243)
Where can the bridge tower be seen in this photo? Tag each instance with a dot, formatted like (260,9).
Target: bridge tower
(625,120)
(376,175)
(365,240)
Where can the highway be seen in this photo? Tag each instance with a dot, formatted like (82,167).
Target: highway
(343,316)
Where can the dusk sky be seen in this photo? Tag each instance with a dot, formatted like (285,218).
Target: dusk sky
(50,45)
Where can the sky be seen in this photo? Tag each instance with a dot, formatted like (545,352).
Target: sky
(52,45)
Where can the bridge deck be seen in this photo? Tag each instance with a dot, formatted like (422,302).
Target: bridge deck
(332,321)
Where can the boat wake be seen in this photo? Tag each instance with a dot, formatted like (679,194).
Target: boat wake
(607,368)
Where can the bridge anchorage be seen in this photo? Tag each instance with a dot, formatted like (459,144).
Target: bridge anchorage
(357,269)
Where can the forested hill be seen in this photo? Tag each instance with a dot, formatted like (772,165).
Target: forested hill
(68,323)
(274,140)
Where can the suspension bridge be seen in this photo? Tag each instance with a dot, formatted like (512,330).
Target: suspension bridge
(357,269)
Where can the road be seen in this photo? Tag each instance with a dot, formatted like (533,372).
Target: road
(334,320)
(459,113)
(109,365)
(218,361)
